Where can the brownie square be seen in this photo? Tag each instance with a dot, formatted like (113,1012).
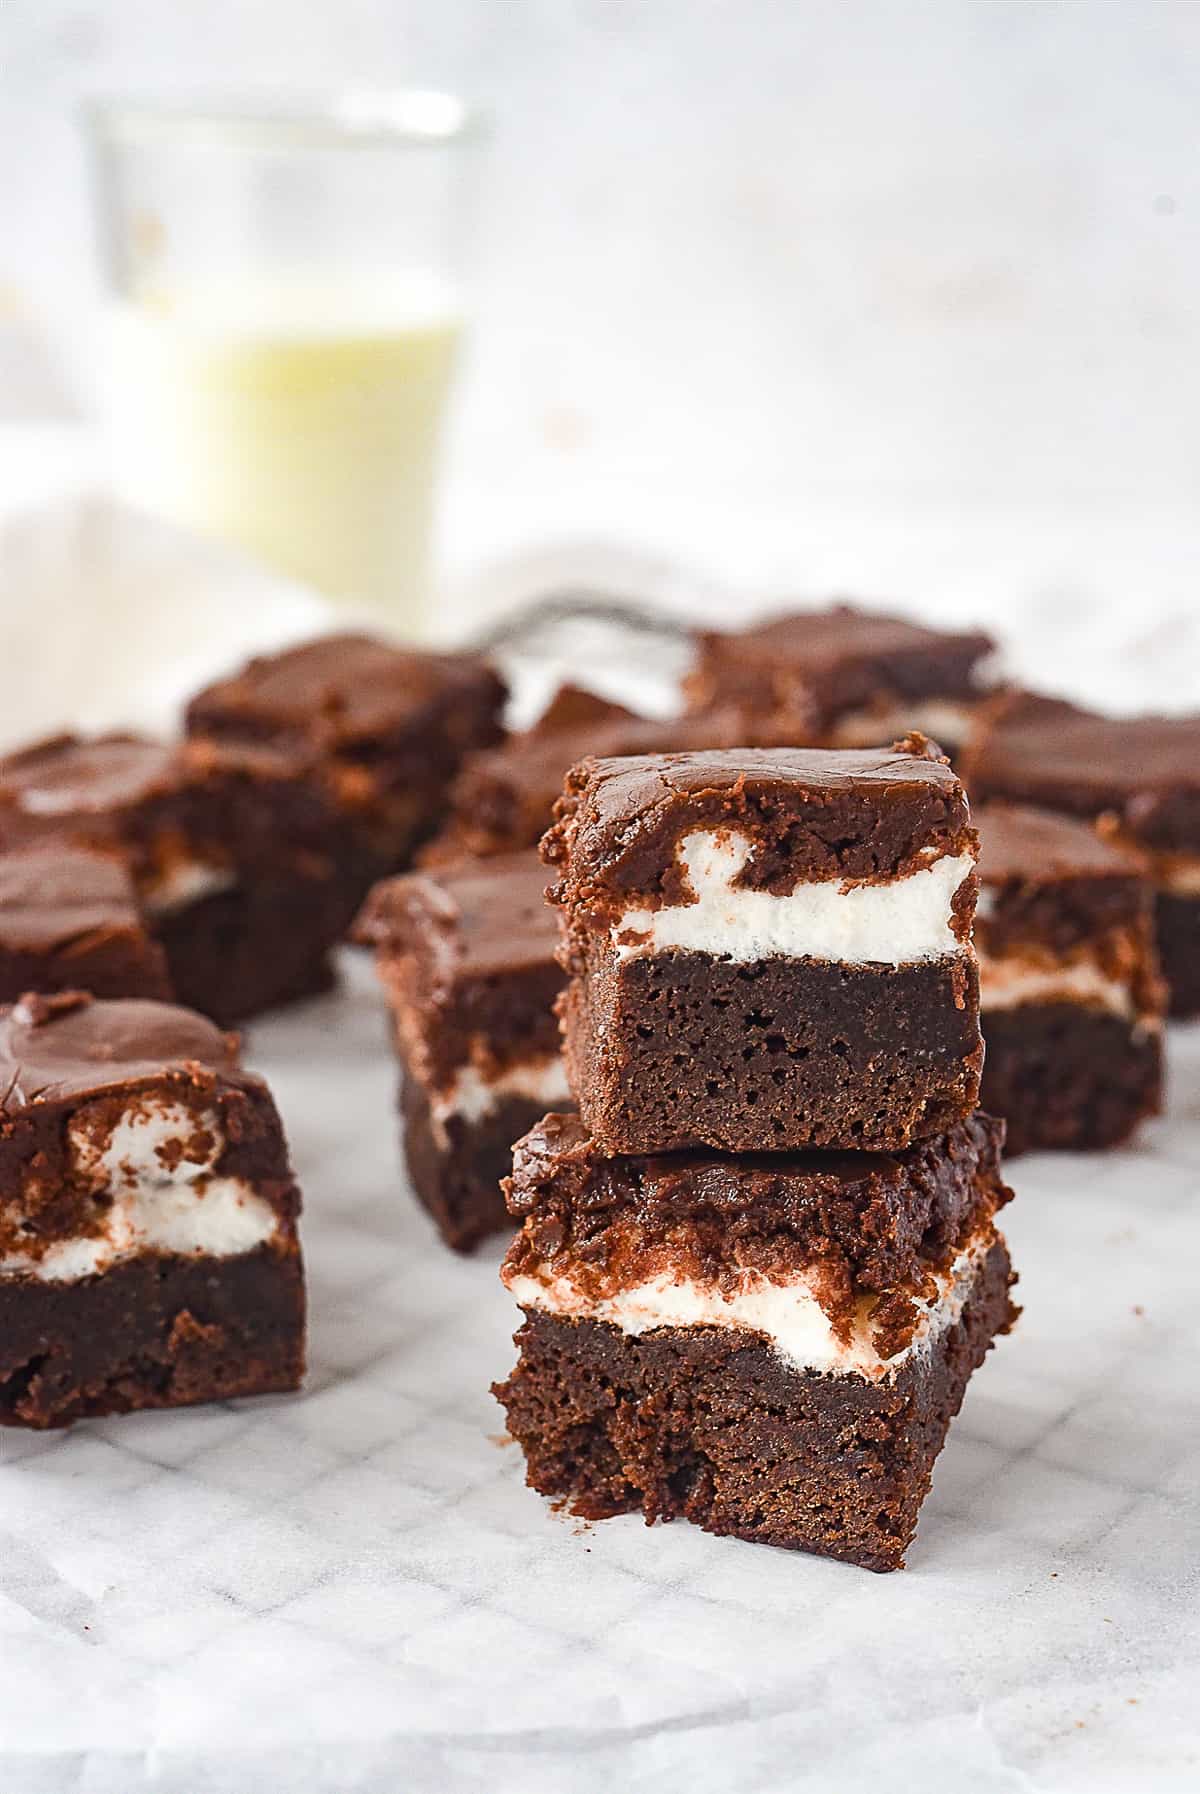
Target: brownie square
(1068,978)
(771,1346)
(1138,777)
(503,799)
(148,1247)
(69,920)
(467,960)
(236,856)
(852,677)
(768,950)
(385,727)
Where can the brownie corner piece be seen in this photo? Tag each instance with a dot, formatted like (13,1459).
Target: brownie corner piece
(854,676)
(70,920)
(768,949)
(1071,996)
(772,1347)
(384,727)
(149,1255)
(466,957)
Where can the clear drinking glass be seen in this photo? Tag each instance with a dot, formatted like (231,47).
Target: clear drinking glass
(285,298)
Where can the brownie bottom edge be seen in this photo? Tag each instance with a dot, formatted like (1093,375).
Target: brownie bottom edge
(712,1426)
(159,1331)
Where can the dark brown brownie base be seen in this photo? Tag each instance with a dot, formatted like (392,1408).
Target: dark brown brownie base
(1068,1078)
(156,1332)
(240,952)
(677,1050)
(1177,930)
(710,1425)
(458,1181)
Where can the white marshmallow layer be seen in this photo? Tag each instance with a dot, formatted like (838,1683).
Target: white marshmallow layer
(1011,982)
(472,1097)
(898,922)
(787,1314)
(157,1200)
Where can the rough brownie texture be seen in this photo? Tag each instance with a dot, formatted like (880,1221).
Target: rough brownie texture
(709,1424)
(1068,1076)
(385,728)
(873,1221)
(504,799)
(238,858)
(1138,777)
(69,920)
(1069,1065)
(835,669)
(457,1166)
(100,1313)
(673,1048)
(466,957)
(158,1332)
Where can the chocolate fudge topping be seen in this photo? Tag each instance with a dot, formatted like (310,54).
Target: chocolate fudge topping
(811,813)
(471,920)
(1055,883)
(1143,771)
(818,664)
(873,1220)
(56,1048)
(340,691)
(504,798)
(52,893)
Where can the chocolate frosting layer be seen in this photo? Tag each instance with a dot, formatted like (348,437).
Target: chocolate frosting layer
(477,919)
(52,893)
(874,1219)
(339,690)
(70,1046)
(1052,882)
(1143,771)
(810,812)
(820,663)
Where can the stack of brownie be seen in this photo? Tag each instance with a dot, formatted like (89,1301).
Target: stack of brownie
(759,1267)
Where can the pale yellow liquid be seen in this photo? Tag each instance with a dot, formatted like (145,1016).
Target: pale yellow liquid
(302,425)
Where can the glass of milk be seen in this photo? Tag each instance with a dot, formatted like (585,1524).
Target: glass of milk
(284,309)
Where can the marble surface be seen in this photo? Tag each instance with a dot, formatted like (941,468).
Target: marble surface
(352,1589)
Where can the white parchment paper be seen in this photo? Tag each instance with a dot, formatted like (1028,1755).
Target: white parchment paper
(353,1590)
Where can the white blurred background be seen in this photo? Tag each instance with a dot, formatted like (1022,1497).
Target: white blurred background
(882,297)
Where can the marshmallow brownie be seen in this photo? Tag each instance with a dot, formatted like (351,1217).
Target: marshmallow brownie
(69,920)
(235,856)
(1138,777)
(770,1346)
(467,959)
(854,677)
(768,950)
(385,727)
(1068,982)
(503,800)
(148,1248)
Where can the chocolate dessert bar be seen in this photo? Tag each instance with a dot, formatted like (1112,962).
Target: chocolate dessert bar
(466,957)
(385,727)
(768,950)
(236,857)
(69,920)
(503,800)
(1068,982)
(770,1346)
(853,677)
(1137,776)
(148,1247)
